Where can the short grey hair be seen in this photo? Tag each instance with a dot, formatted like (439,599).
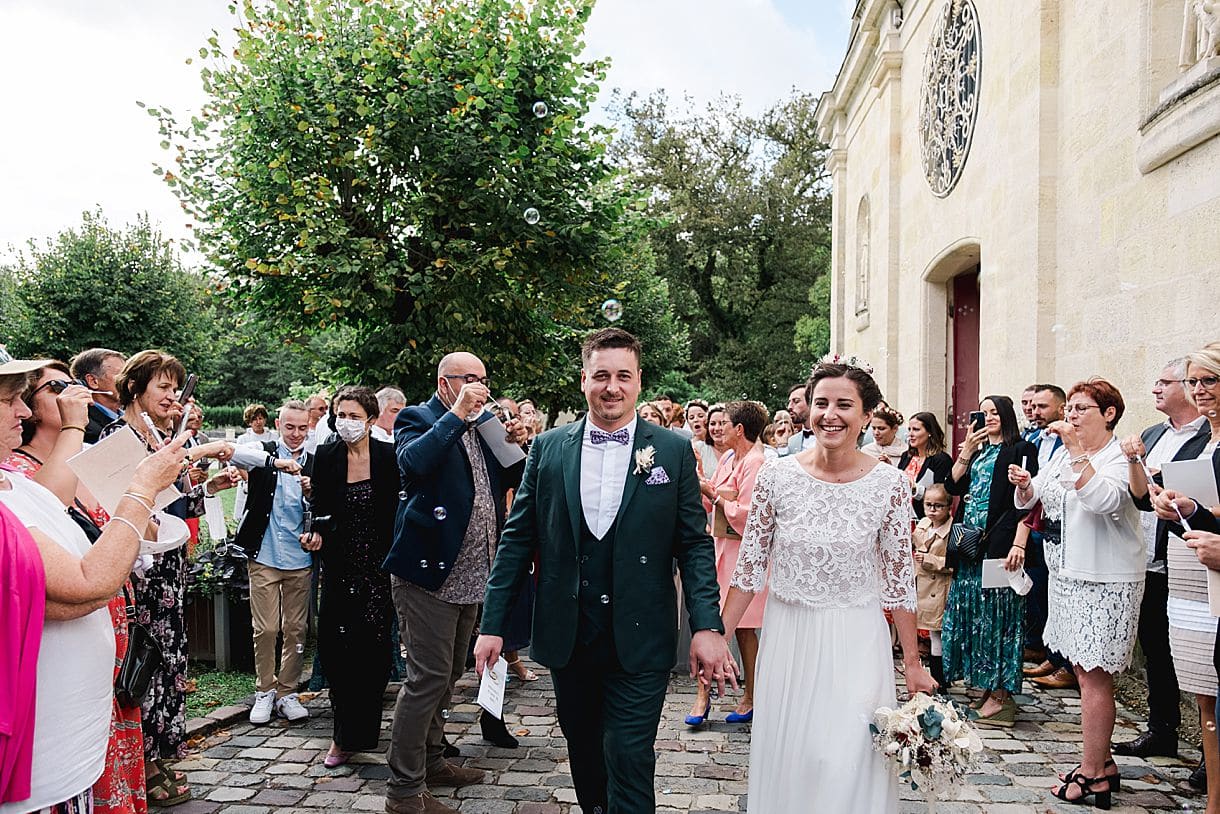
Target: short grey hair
(89,362)
(389,395)
(1178,365)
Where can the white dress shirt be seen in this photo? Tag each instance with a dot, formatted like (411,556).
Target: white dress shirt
(382,435)
(1167,446)
(603,474)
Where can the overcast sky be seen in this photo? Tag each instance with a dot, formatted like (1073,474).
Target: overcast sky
(73,138)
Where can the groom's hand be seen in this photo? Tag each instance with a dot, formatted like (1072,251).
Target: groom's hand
(486,651)
(711,661)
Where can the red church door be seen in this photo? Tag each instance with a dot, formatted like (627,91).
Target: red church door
(965,333)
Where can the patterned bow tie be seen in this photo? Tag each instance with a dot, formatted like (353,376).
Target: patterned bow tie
(618,436)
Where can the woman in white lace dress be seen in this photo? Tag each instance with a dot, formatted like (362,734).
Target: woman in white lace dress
(833,527)
(1097,570)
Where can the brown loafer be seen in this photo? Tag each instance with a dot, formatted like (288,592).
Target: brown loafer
(1061,679)
(1043,669)
(423,803)
(456,776)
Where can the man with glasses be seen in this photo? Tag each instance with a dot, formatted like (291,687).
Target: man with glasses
(1172,439)
(97,368)
(450,514)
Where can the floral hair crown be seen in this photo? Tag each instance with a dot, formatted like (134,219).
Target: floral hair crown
(839,359)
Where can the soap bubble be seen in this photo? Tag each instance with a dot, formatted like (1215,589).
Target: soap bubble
(423,563)
(540,109)
(440,513)
(445,714)
(532,216)
(612,310)
(1057,328)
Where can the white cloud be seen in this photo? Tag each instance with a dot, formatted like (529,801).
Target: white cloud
(73,137)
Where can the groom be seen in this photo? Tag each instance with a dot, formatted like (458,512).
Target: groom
(606,505)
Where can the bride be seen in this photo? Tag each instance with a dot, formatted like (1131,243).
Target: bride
(833,526)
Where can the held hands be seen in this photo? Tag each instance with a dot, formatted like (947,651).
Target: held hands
(290,465)
(220,450)
(486,651)
(711,661)
(226,478)
(73,404)
(311,541)
(306,486)
(470,400)
(1164,502)
(1015,559)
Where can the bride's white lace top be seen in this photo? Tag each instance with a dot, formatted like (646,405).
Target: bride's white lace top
(829,545)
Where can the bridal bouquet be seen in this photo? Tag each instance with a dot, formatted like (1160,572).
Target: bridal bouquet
(929,742)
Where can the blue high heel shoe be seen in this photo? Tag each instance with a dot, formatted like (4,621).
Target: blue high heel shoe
(696,721)
(739,717)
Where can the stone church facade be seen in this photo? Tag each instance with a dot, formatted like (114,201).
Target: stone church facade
(1024,190)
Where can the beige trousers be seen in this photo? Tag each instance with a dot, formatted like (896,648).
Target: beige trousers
(279,603)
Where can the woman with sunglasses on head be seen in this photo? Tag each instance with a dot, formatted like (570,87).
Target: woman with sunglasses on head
(54,432)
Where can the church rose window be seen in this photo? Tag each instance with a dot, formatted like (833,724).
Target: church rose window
(949,103)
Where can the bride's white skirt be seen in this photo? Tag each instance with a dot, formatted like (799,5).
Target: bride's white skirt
(821,674)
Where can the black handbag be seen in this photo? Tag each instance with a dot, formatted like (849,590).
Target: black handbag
(967,545)
(140,663)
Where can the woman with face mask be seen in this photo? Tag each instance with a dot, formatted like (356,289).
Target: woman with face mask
(354,497)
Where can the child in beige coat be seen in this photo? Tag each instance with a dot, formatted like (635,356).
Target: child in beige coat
(932,579)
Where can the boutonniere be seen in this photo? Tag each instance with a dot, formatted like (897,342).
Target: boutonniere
(643,460)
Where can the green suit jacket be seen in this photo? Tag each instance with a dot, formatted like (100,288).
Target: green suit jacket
(657,523)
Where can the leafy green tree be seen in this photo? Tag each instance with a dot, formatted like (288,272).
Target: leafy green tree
(417,175)
(744,240)
(95,285)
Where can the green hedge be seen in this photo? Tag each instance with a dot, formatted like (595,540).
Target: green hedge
(221,416)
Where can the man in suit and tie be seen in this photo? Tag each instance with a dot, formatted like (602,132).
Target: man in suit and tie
(449,518)
(1183,435)
(607,504)
(97,367)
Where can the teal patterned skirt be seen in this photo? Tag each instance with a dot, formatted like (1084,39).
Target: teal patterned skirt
(984,632)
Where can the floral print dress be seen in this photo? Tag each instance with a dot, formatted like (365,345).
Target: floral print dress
(984,629)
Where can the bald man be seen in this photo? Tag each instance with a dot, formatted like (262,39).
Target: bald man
(449,520)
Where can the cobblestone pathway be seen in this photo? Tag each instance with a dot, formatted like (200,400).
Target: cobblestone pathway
(277,768)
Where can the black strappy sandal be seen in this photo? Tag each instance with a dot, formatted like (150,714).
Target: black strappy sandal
(1101,799)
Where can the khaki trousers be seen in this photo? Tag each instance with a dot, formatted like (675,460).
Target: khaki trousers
(279,603)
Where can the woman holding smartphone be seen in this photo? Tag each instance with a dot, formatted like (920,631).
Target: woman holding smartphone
(983,630)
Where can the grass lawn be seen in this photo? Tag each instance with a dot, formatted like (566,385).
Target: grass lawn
(215,689)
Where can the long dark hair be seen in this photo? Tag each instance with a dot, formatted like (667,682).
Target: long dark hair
(936,433)
(1008,419)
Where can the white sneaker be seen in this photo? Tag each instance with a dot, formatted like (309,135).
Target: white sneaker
(289,707)
(264,702)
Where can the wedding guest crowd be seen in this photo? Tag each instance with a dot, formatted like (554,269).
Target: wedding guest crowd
(1041,549)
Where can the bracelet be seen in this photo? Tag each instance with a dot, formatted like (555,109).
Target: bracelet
(1019,547)
(141,499)
(1133,459)
(128,523)
(71,427)
(963,462)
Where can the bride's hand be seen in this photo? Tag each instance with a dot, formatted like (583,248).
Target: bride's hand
(920,680)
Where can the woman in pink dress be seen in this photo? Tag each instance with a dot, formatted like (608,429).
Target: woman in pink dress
(727,497)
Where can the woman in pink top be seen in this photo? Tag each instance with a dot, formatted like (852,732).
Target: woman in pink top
(727,496)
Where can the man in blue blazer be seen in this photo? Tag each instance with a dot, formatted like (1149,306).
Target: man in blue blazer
(450,513)
(606,505)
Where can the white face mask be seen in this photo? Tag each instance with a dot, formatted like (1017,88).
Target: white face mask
(351,430)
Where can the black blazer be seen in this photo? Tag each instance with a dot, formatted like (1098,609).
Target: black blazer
(330,484)
(261,495)
(941,465)
(1002,514)
(1190,450)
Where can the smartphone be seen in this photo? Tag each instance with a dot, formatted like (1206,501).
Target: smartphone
(977,420)
(188,390)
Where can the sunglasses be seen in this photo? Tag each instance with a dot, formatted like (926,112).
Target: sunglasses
(56,386)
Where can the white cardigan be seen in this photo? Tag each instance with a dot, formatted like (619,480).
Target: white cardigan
(1101,536)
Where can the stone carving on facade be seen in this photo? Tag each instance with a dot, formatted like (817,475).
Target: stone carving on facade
(1200,32)
(949,102)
